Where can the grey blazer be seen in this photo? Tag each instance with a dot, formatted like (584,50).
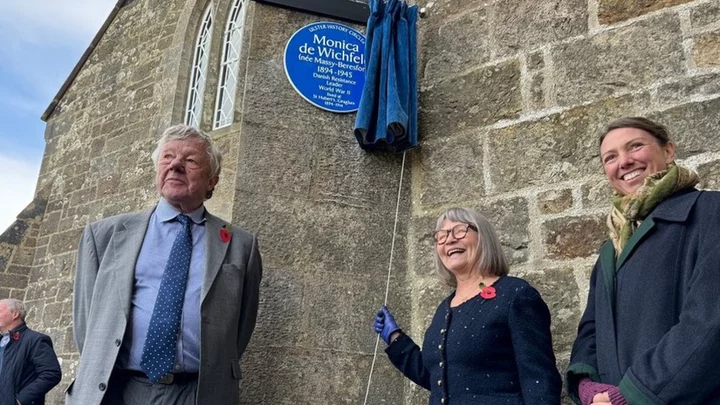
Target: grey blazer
(104,280)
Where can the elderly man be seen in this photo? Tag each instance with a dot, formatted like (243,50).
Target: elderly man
(166,299)
(28,365)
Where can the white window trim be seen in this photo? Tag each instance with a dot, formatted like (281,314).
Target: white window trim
(198,74)
(225,106)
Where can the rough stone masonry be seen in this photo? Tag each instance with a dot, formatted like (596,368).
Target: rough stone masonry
(513,94)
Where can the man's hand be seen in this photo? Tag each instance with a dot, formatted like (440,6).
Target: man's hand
(601,399)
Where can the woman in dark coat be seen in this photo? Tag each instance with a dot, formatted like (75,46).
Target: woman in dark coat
(489,341)
(650,333)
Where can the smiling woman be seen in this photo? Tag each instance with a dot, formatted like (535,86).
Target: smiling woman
(492,332)
(649,334)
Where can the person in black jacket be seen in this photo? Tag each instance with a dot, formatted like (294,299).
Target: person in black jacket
(489,341)
(28,365)
(650,333)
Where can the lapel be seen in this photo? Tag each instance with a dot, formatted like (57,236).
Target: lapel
(607,264)
(127,242)
(675,209)
(637,236)
(215,250)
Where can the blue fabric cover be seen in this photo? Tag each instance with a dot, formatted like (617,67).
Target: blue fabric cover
(388,107)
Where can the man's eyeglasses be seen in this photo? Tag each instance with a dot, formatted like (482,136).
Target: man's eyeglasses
(458,232)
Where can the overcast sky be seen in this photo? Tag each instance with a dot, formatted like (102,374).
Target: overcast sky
(40,43)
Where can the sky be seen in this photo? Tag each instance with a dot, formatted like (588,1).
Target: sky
(40,43)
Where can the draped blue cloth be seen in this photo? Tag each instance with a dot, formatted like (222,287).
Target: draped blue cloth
(388,107)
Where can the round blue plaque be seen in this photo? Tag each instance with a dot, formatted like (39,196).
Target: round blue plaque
(325,63)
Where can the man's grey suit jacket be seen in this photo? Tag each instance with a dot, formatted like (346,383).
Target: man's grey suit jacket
(104,279)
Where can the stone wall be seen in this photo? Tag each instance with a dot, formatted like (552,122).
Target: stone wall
(513,96)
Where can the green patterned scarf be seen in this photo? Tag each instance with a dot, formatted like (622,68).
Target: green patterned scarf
(629,210)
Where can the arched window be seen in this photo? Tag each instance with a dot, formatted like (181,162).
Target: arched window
(225,104)
(193,110)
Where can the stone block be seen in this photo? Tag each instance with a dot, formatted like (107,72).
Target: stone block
(455,46)
(66,241)
(692,126)
(344,174)
(288,175)
(279,225)
(280,316)
(555,201)
(704,14)
(709,175)
(443,10)
(536,98)
(510,219)
(325,377)
(47,292)
(596,193)
(353,241)
(52,314)
(706,50)
(618,61)
(574,237)
(687,88)
(478,98)
(343,239)
(450,170)
(518,24)
(276,26)
(64,290)
(23,256)
(612,11)
(421,245)
(556,148)
(338,309)
(13,281)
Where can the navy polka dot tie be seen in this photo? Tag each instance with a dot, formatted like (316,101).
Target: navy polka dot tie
(158,354)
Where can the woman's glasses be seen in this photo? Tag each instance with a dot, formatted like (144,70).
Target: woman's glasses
(458,232)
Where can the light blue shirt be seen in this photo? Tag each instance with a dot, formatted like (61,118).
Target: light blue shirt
(159,238)
(3,342)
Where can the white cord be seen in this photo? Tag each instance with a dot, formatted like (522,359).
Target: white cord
(387,283)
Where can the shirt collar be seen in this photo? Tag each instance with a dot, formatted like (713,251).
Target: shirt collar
(166,212)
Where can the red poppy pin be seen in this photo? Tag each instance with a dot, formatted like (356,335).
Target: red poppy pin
(16,336)
(488,292)
(225,235)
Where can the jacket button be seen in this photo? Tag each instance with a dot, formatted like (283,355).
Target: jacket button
(439,383)
(441,364)
(442,400)
(118,342)
(102,386)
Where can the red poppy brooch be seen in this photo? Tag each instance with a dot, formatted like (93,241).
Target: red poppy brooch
(487,292)
(225,234)
(16,336)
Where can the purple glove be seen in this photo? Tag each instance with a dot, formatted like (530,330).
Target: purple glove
(385,324)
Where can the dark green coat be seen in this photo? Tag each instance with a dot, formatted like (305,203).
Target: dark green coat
(652,321)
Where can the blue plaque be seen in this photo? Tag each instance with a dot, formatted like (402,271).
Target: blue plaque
(325,63)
